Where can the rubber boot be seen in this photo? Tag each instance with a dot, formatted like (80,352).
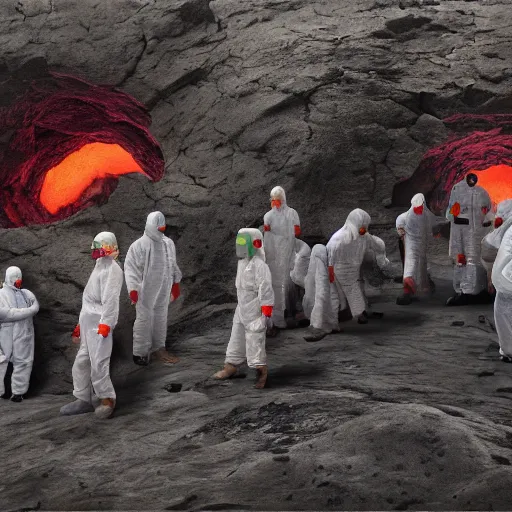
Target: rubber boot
(404,300)
(5,396)
(314,334)
(272,332)
(362,318)
(262,377)
(106,408)
(17,398)
(76,407)
(506,359)
(227,372)
(141,361)
(459,299)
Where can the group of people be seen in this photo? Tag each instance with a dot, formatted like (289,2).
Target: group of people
(280,283)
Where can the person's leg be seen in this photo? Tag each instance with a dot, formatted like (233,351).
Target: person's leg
(3,371)
(236,352)
(142,333)
(159,332)
(503,324)
(100,350)
(22,359)
(256,353)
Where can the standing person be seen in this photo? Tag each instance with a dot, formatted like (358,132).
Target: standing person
(317,303)
(415,227)
(470,214)
(153,280)
(491,242)
(346,252)
(92,386)
(255,304)
(18,306)
(502,281)
(281,225)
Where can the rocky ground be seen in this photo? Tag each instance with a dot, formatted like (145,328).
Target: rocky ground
(407,412)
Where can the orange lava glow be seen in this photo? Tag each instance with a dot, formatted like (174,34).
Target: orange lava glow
(497,180)
(66,182)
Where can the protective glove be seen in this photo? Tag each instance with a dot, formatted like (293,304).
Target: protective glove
(455,209)
(134,296)
(331,274)
(297,230)
(75,337)
(266,227)
(267,310)
(461,259)
(175,291)
(104,330)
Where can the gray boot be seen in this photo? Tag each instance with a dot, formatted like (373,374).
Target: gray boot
(76,407)
(313,334)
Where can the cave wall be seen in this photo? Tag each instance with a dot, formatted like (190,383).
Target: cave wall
(335,101)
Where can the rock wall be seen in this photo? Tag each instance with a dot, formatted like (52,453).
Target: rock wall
(335,101)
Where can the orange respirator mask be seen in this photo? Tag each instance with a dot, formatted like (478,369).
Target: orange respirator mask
(161,229)
(275,203)
(362,231)
(18,283)
(418,210)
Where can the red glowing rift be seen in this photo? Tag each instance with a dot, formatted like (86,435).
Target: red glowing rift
(486,153)
(70,142)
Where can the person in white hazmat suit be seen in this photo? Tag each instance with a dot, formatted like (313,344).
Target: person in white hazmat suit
(470,214)
(281,226)
(298,276)
(92,386)
(18,306)
(153,281)
(255,303)
(502,281)
(416,227)
(492,241)
(346,251)
(317,303)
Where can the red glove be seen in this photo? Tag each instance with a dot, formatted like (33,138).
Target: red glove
(104,330)
(409,286)
(266,227)
(331,274)
(267,310)
(76,332)
(461,259)
(175,291)
(134,296)
(297,230)
(455,209)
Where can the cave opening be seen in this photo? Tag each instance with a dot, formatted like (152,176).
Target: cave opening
(65,183)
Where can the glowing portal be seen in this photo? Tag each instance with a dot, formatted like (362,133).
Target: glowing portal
(497,180)
(67,181)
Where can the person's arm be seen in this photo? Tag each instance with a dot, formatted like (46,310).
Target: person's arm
(134,270)
(176,277)
(296,224)
(8,314)
(265,291)
(378,247)
(451,203)
(110,298)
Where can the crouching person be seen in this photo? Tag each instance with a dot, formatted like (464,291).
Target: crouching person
(255,304)
(92,386)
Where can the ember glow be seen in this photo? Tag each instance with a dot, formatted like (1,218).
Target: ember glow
(497,181)
(65,183)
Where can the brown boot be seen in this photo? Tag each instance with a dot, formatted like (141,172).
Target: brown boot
(227,372)
(262,377)
(106,408)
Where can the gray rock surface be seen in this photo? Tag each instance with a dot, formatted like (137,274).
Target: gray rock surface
(335,101)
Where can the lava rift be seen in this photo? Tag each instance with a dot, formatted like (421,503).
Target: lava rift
(479,143)
(68,143)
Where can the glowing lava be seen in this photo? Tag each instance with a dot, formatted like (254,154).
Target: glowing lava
(497,180)
(66,182)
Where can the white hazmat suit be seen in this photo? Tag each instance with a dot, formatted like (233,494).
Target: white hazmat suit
(346,251)
(281,225)
(469,209)
(98,318)
(416,225)
(502,281)
(255,301)
(317,303)
(491,242)
(17,308)
(152,272)
(300,267)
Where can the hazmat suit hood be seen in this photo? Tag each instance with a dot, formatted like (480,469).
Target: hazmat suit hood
(154,221)
(12,274)
(356,220)
(418,200)
(105,244)
(256,240)
(279,194)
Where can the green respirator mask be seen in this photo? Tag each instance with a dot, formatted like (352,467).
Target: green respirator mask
(245,246)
